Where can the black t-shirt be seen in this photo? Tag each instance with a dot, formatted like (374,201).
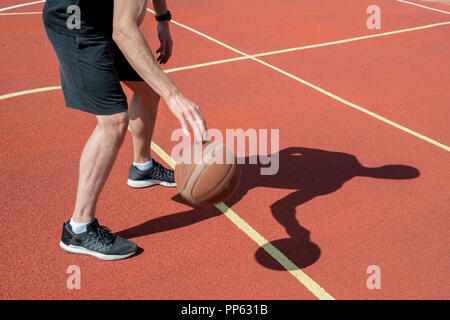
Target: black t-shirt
(93,18)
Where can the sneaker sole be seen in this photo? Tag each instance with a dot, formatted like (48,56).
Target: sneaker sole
(102,256)
(147,183)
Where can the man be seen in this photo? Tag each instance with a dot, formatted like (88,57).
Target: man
(98,44)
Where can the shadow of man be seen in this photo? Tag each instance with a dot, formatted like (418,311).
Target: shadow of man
(309,173)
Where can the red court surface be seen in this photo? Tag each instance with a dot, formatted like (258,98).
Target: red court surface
(364,158)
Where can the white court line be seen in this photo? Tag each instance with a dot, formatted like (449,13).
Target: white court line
(370,36)
(206,64)
(309,84)
(318,45)
(21,5)
(331,95)
(269,53)
(299,274)
(422,6)
(354,106)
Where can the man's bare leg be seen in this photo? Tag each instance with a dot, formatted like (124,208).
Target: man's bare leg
(96,162)
(143,110)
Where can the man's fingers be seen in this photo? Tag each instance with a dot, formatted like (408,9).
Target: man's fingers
(164,54)
(159,56)
(184,125)
(189,113)
(168,50)
(196,128)
(170,46)
(186,131)
(199,122)
(205,135)
(163,51)
(195,125)
(199,118)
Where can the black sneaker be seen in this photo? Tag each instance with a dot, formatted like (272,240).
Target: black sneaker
(97,241)
(155,175)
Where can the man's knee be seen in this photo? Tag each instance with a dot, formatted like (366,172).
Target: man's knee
(116,124)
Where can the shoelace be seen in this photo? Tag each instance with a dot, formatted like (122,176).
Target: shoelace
(162,173)
(105,235)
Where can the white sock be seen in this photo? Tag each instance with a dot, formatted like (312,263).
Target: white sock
(79,227)
(144,166)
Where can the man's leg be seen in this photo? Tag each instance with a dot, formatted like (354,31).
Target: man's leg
(143,109)
(83,234)
(96,162)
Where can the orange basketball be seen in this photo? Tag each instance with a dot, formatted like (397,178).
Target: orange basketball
(211,175)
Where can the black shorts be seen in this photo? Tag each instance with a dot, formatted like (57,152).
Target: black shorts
(91,70)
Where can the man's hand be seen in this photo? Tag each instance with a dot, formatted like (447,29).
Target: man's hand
(188,112)
(165,50)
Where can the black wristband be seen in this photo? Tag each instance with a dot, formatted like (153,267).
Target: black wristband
(164,17)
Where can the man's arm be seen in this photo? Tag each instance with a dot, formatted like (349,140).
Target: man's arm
(132,43)
(165,50)
(160,6)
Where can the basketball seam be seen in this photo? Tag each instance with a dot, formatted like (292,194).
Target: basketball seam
(186,182)
(203,168)
(187,179)
(198,170)
(217,184)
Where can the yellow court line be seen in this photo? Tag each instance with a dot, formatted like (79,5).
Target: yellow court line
(21,93)
(230,214)
(310,284)
(17,13)
(321,90)
(20,5)
(295,271)
(301,276)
